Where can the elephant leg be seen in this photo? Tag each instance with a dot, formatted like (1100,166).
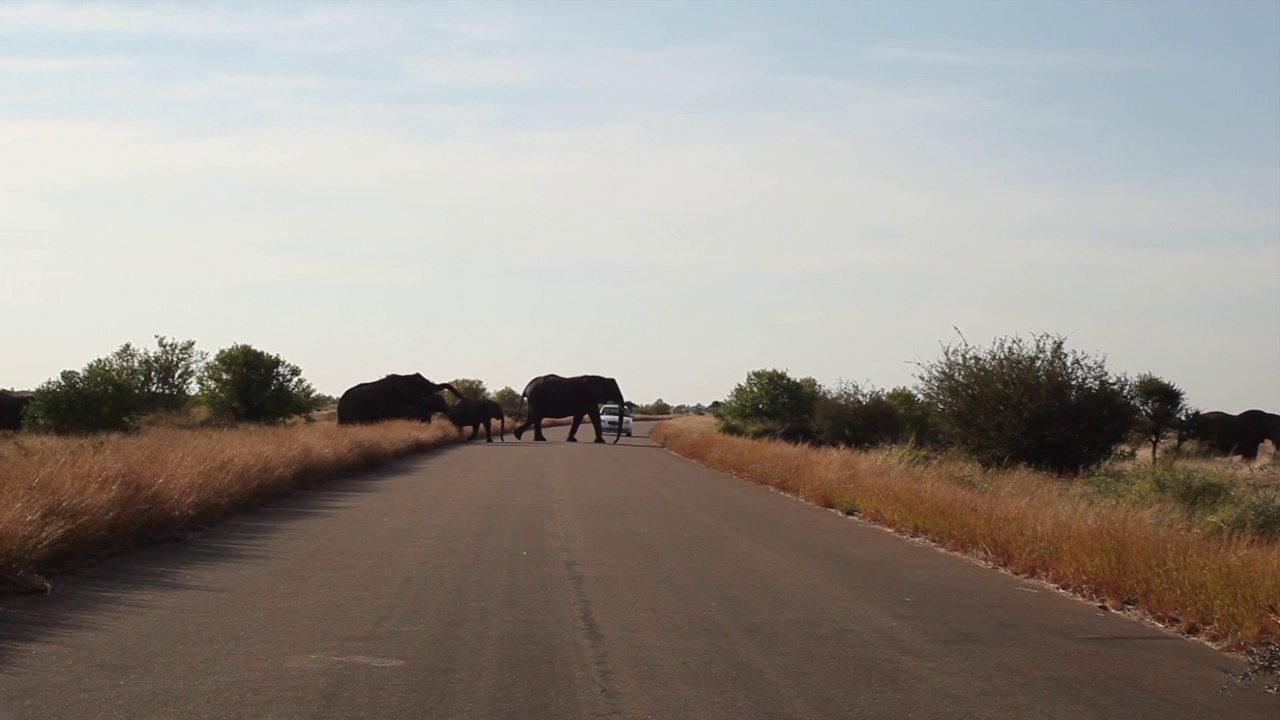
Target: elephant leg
(595,423)
(519,429)
(488,435)
(537,431)
(475,430)
(573,431)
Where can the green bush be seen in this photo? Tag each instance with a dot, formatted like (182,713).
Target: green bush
(918,425)
(746,429)
(96,399)
(1192,489)
(471,389)
(1257,513)
(509,399)
(771,397)
(856,417)
(1031,402)
(111,393)
(1214,500)
(245,384)
(166,376)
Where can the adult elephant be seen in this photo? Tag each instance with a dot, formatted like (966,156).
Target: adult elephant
(1236,434)
(476,413)
(552,396)
(403,397)
(12,405)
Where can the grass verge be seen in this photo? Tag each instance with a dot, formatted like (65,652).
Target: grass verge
(70,500)
(1141,558)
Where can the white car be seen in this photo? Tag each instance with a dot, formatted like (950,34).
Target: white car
(609,420)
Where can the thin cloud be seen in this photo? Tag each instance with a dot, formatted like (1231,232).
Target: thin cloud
(93,64)
(469,70)
(121,19)
(962,55)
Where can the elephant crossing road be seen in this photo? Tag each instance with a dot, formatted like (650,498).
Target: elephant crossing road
(553,396)
(476,413)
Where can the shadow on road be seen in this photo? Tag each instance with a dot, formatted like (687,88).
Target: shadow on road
(76,600)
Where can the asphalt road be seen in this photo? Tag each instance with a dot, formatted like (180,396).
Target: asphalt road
(525,580)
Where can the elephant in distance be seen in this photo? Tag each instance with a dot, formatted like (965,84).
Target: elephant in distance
(476,413)
(552,396)
(1236,434)
(402,397)
(12,406)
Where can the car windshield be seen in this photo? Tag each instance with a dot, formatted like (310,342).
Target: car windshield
(612,410)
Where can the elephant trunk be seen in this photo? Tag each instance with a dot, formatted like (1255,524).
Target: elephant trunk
(452,389)
(622,415)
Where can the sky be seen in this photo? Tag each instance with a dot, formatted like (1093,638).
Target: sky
(672,194)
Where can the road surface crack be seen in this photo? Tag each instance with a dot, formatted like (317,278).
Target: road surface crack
(600,671)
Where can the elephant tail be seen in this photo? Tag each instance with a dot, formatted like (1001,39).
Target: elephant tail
(523,395)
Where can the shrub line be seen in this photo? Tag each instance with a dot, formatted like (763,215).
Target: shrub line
(1126,559)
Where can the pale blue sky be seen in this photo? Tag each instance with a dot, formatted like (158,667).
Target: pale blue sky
(670,193)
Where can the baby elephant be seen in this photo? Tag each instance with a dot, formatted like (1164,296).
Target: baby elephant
(476,413)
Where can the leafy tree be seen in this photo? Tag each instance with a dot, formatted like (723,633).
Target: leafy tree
(917,419)
(98,398)
(472,389)
(1160,404)
(245,384)
(771,397)
(508,398)
(112,392)
(857,417)
(1028,401)
(168,375)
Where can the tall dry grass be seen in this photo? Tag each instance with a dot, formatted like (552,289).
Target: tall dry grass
(1137,558)
(66,499)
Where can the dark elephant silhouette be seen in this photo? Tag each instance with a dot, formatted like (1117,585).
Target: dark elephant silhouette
(476,413)
(553,396)
(797,433)
(403,397)
(12,405)
(1235,434)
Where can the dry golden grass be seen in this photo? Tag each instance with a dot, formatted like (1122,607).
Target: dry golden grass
(66,500)
(1216,587)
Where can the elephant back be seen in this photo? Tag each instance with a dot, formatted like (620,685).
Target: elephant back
(408,397)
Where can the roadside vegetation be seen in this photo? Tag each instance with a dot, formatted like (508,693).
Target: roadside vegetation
(1129,538)
(1033,457)
(172,384)
(148,444)
(69,500)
